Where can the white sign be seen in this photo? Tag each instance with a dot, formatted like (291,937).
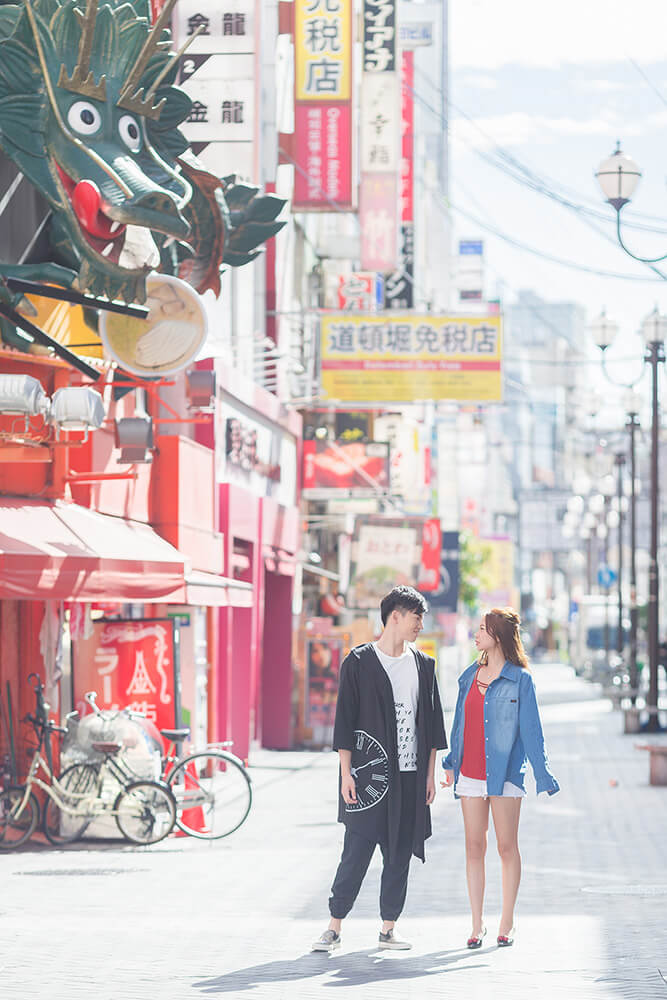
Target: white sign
(227,25)
(412,34)
(380,120)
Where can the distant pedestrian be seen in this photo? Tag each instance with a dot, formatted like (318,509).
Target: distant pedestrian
(388,727)
(496,729)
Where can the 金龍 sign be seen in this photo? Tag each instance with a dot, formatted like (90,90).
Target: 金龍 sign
(130,664)
(406,357)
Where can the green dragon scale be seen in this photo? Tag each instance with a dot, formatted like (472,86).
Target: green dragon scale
(90,116)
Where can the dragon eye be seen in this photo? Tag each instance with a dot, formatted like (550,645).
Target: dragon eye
(84,118)
(130,133)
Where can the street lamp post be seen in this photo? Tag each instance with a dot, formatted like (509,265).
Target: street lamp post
(632,409)
(654,331)
(619,462)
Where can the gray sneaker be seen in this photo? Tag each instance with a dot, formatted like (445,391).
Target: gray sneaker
(389,941)
(327,942)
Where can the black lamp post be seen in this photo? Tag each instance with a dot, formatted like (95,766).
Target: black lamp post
(619,462)
(632,403)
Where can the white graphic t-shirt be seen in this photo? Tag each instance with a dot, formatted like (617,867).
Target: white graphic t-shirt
(402,672)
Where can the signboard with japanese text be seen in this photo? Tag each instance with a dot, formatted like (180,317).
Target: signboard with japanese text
(227,25)
(446,595)
(429,570)
(130,664)
(408,357)
(400,283)
(323,154)
(324,655)
(359,468)
(379,49)
(384,556)
(223,110)
(255,453)
(361,291)
(322,50)
(414,34)
(380,123)
(378,198)
(322,146)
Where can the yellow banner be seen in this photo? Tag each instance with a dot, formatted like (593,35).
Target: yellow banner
(397,357)
(322,50)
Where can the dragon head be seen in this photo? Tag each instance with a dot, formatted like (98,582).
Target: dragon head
(89,114)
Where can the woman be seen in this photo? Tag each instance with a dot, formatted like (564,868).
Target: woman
(496,729)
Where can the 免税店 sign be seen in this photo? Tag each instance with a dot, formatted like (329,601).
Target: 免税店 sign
(406,357)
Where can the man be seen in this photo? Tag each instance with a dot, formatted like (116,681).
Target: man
(388,727)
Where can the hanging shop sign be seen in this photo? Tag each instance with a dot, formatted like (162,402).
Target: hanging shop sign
(380,123)
(429,569)
(384,556)
(379,50)
(359,468)
(445,596)
(322,147)
(399,284)
(409,357)
(129,664)
(257,454)
(168,340)
(227,27)
(360,291)
(378,222)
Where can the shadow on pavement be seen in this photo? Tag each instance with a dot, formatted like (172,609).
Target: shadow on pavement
(348,969)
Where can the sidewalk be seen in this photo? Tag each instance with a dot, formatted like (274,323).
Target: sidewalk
(192,920)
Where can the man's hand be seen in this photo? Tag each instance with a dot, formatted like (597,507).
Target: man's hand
(449,779)
(430,789)
(348,789)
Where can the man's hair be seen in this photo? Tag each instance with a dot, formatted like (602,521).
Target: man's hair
(404,599)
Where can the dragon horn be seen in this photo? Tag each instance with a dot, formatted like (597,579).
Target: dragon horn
(81,81)
(132,96)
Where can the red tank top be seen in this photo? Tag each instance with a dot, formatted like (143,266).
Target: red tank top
(474,753)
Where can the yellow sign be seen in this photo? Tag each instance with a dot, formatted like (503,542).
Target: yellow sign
(322,50)
(404,357)
(497,588)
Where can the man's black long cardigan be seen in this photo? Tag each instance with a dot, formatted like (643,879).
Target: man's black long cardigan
(366,701)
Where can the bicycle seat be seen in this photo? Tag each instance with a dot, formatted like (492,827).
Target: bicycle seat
(175,734)
(106,747)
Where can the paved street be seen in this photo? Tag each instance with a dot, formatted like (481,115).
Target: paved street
(191,920)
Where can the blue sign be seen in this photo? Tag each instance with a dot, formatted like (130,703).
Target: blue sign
(471,247)
(606,577)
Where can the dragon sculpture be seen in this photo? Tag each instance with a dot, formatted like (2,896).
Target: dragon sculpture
(89,114)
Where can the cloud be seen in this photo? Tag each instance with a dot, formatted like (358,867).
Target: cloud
(487,34)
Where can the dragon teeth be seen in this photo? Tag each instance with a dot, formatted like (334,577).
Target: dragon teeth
(114,226)
(107,250)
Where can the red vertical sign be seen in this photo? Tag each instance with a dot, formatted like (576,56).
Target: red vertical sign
(407,135)
(429,569)
(130,664)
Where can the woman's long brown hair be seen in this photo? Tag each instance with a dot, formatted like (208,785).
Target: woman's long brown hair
(502,624)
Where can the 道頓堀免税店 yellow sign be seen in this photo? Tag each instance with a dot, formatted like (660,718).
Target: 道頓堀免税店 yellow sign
(403,358)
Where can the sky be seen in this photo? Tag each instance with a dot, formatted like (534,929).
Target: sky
(553,87)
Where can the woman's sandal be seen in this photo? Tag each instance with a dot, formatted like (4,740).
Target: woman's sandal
(475,941)
(506,940)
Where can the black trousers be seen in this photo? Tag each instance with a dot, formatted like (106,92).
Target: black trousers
(357,854)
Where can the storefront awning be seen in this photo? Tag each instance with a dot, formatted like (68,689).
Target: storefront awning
(63,551)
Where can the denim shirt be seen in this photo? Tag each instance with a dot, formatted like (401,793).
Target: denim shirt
(512,731)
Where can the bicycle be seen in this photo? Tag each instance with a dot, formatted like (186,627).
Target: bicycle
(212,788)
(144,810)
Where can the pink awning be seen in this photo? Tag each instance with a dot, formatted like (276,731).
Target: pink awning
(63,551)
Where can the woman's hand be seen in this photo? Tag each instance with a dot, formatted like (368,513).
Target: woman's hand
(449,779)
(348,789)
(430,789)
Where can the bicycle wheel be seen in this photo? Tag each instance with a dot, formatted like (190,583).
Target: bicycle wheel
(60,826)
(17,826)
(213,794)
(145,812)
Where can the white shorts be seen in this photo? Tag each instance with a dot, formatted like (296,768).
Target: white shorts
(475,788)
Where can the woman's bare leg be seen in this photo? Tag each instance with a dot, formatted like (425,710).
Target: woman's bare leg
(476,823)
(506,812)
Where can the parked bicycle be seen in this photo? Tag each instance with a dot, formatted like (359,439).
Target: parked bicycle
(212,788)
(144,810)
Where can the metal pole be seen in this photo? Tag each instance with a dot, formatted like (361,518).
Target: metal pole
(653,722)
(605,563)
(634,680)
(620,462)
